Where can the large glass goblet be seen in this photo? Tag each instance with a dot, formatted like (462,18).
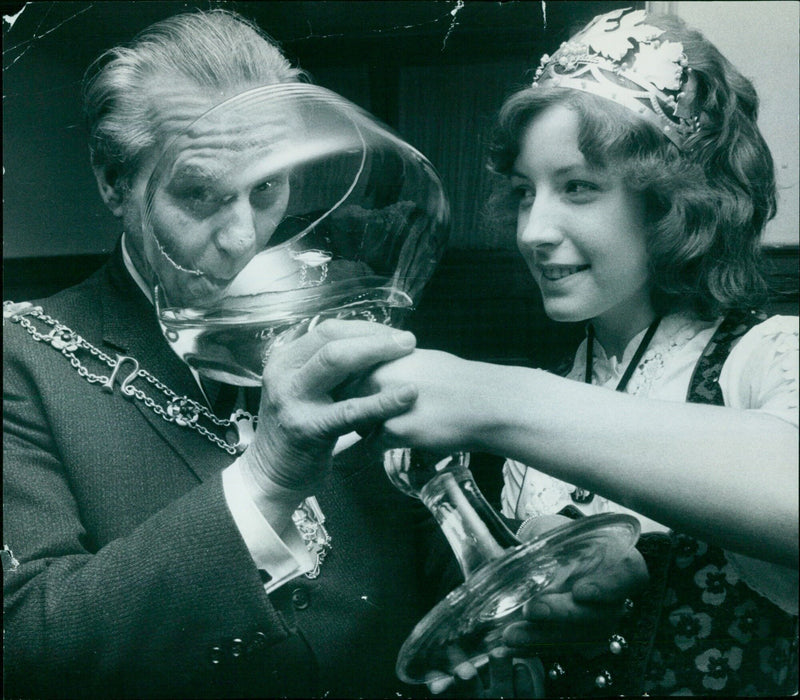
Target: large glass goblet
(500,573)
(278,208)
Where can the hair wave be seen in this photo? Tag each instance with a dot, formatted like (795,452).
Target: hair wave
(215,49)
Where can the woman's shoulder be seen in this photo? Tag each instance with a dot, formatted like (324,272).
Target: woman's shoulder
(762,371)
(776,338)
(776,325)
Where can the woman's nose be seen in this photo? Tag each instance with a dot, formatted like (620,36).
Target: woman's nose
(540,225)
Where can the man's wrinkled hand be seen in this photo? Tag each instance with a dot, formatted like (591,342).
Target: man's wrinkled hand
(300,417)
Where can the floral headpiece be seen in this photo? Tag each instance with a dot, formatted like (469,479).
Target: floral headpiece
(620,58)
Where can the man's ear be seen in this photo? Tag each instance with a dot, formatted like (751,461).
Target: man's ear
(110,185)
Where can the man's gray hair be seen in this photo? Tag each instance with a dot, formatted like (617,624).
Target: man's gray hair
(216,49)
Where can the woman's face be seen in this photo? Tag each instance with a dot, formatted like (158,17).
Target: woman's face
(581,231)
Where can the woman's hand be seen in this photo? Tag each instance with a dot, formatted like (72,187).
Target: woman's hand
(454,399)
(585,608)
(299,418)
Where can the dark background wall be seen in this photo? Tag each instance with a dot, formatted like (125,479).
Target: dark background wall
(435,71)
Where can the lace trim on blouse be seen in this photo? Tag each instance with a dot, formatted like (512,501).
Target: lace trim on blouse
(672,336)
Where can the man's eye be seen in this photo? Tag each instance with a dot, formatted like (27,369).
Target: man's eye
(264,195)
(201,194)
(199,200)
(193,193)
(264,186)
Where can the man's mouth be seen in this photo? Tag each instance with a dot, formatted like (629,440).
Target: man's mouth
(557,272)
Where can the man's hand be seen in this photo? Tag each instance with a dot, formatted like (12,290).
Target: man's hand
(299,418)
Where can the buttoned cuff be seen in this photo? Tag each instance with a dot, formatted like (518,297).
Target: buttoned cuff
(283,557)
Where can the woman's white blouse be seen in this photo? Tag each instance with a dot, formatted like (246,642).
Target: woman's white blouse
(761,374)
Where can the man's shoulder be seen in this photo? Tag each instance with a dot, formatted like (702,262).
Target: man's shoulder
(75,297)
(78,308)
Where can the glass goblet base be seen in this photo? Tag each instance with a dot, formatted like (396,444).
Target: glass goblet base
(473,616)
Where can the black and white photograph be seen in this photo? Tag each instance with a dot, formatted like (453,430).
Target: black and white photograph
(400,348)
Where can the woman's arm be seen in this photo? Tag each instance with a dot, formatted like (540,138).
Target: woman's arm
(728,476)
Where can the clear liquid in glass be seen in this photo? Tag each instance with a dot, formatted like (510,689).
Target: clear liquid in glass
(232,341)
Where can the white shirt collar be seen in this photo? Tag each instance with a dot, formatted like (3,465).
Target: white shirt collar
(131,268)
(134,273)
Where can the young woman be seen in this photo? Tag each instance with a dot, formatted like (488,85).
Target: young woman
(641,186)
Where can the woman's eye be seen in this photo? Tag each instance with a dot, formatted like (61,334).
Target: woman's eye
(581,188)
(523,195)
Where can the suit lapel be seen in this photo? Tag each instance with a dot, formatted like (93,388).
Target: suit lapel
(130,328)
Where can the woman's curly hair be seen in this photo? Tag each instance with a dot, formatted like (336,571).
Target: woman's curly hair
(708,204)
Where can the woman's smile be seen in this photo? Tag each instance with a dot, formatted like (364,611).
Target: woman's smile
(581,229)
(554,273)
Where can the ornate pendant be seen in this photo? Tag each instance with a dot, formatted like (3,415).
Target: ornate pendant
(583,496)
(309,519)
(243,430)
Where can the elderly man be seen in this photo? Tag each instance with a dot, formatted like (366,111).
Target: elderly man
(146,555)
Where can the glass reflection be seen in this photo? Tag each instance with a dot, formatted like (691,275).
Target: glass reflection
(281,207)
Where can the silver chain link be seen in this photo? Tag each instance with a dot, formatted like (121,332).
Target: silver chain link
(180,410)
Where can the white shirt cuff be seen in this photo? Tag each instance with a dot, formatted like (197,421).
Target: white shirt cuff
(283,556)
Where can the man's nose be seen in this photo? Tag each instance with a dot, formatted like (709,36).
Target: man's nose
(236,235)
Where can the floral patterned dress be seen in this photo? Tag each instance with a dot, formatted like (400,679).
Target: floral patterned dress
(716,636)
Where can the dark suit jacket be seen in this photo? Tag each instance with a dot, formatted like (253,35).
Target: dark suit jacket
(133,579)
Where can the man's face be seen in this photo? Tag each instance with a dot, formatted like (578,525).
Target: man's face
(210,195)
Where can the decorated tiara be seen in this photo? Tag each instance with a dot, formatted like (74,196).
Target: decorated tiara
(619,57)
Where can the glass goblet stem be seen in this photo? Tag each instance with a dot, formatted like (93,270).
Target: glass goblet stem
(473,529)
